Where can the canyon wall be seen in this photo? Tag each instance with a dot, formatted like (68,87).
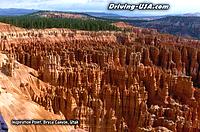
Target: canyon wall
(111,81)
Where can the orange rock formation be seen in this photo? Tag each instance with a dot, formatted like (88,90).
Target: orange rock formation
(111,81)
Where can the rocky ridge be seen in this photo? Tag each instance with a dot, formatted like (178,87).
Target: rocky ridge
(111,81)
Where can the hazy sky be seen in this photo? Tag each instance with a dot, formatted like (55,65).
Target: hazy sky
(177,6)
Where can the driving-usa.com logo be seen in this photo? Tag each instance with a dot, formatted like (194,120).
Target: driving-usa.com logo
(140,6)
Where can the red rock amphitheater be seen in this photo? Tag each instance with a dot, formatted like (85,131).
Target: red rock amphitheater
(138,81)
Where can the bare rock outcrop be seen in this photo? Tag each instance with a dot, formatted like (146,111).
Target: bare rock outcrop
(112,81)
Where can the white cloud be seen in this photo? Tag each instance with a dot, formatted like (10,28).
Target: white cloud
(177,6)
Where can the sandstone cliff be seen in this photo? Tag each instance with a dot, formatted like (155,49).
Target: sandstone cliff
(111,81)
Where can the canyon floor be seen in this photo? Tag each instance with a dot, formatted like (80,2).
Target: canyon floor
(112,81)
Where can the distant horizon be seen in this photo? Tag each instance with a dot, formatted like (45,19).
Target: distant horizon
(114,13)
(176,6)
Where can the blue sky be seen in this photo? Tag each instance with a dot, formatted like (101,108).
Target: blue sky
(177,6)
